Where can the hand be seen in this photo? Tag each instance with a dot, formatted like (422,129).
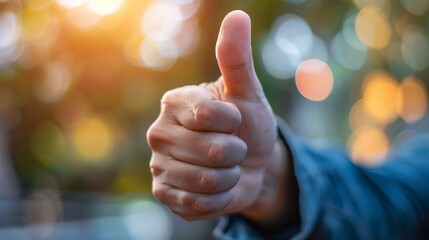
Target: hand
(213,144)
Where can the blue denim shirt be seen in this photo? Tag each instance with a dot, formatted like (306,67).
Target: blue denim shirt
(340,200)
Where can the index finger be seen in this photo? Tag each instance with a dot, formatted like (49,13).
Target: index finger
(196,109)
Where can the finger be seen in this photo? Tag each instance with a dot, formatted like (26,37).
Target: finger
(191,206)
(194,178)
(195,108)
(208,149)
(234,56)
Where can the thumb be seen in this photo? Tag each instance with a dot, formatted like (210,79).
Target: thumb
(234,57)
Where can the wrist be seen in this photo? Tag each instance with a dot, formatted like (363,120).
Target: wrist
(272,195)
(277,206)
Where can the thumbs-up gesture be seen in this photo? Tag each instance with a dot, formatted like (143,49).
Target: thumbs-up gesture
(214,144)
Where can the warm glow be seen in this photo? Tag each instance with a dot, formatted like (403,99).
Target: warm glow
(369,146)
(380,94)
(92,139)
(358,118)
(55,82)
(314,79)
(38,4)
(83,17)
(131,49)
(162,21)
(372,27)
(35,24)
(160,56)
(71,3)
(104,7)
(381,4)
(413,103)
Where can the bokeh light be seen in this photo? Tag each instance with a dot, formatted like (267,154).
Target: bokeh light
(276,62)
(188,8)
(415,48)
(71,3)
(358,117)
(293,36)
(380,4)
(104,7)
(54,83)
(10,32)
(349,31)
(396,63)
(157,55)
(36,24)
(147,220)
(372,27)
(39,4)
(167,32)
(347,55)
(413,103)
(291,41)
(162,21)
(416,7)
(93,139)
(188,39)
(131,49)
(380,92)
(346,47)
(83,17)
(318,50)
(80,82)
(314,79)
(9,29)
(369,146)
(43,211)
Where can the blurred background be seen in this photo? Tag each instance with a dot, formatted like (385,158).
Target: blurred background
(81,80)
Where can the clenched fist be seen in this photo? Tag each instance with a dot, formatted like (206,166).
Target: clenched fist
(215,146)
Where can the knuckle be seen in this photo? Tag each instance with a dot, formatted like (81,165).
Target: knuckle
(175,97)
(205,113)
(156,136)
(159,192)
(217,153)
(204,204)
(156,168)
(169,100)
(209,180)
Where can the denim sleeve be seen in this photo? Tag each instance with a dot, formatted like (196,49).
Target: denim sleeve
(340,200)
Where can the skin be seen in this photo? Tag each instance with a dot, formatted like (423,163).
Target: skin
(215,148)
